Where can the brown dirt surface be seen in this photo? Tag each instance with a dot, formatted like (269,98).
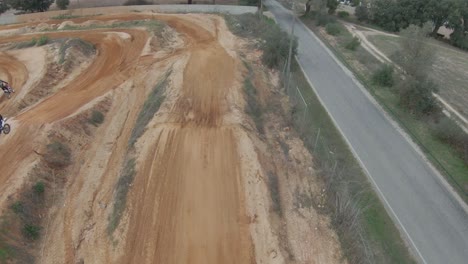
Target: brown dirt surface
(197,194)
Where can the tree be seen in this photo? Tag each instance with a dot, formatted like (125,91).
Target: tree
(31,5)
(439,11)
(3,6)
(386,14)
(416,57)
(362,12)
(332,5)
(62,4)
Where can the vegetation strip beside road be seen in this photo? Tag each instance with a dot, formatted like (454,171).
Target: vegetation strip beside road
(363,65)
(375,238)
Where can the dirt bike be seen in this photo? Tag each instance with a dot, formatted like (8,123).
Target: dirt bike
(6,127)
(8,90)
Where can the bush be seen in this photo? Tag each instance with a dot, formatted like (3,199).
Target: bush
(353,43)
(62,4)
(248,2)
(384,76)
(324,19)
(333,29)
(343,14)
(136,2)
(42,41)
(39,188)
(17,207)
(448,131)
(416,96)
(275,47)
(58,155)
(362,13)
(96,118)
(31,231)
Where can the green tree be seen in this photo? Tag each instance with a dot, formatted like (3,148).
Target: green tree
(62,4)
(439,11)
(458,21)
(31,5)
(3,6)
(386,14)
(416,57)
(332,5)
(362,11)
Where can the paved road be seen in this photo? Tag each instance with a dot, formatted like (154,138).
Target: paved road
(429,216)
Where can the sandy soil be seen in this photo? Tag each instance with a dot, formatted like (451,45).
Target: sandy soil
(196,196)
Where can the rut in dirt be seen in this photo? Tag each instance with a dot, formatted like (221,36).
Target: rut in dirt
(189,204)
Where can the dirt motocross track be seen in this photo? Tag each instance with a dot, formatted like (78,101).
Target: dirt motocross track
(188,207)
(188,201)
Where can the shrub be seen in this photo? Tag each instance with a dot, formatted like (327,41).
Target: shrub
(96,118)
(58,154)
(275,47)
(31,231)
(62,4)
(248,2)
(39,187)
(343,14)
(324,19)
(17,207)
(448,131)
(42,41)
(383,76)
(362,13)
(416,96)
(353,43)
(136,2)
(253,107)
(333,29)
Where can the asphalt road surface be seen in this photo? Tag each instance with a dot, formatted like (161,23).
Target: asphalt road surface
(433,222)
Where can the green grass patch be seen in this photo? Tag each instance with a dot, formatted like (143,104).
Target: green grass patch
(42,40)
(273,187)
(31,231)
(96,118)
(39,188)
(25,44)
(58,155)
(3,254)
(151,106)
(253,108)
(17,207)
(64,16)
(333,29)
(345,178)
(353,44)
(150,25)
(123,186)
(84,46)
